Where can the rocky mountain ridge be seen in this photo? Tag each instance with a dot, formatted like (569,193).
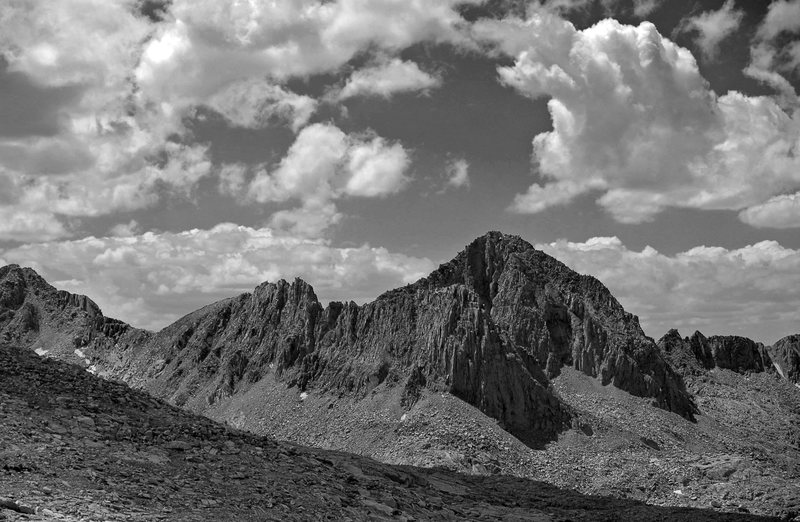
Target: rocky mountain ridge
(491,327)
(698,353)
(36,315)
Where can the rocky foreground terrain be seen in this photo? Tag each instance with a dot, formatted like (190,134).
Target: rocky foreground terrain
(502,363)
(75,447)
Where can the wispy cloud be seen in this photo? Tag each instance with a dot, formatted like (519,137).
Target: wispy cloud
(386,79)
(712,27)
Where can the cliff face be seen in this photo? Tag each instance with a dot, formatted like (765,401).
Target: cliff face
(491,327)
(785,355)
(698,353)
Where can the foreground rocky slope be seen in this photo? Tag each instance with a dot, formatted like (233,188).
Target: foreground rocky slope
(75,447)
(491,327)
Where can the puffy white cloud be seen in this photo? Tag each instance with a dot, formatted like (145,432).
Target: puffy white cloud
(712,27)
(154,278)
(375,168)
(745,291)
(385,79)
(90,42)
(325,164)
(129,83)
(457,171)
(109,153)
(778,212)
(308,171)
(635,121)
(281,39)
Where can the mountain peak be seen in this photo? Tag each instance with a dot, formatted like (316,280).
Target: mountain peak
(491,327)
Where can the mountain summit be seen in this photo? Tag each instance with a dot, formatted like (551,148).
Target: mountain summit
(491,327)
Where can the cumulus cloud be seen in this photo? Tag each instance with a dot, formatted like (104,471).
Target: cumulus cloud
(385,79)
(635,122)
(108,153)
(152,279)
(325,164)
(126,83)
(778,212)
(712,27)
(746,291)
(281,39)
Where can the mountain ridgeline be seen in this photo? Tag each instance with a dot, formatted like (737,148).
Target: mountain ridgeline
(698,353)
(491,327)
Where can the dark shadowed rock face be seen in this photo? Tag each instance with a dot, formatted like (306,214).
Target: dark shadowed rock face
(785,354)
(695,354)
(738,353)
(491,327)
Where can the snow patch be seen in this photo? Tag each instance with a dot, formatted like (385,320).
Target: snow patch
(92,369)
(82,355)
(678,492)
(404,417)
(41,352)
(303,396)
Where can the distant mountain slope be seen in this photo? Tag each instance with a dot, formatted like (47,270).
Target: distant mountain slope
(36,315)
(698,353)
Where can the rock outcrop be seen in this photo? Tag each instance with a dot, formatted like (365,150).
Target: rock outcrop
(36,315)
(785,355)
(698,353)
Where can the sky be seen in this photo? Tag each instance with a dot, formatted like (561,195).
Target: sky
(160,155)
